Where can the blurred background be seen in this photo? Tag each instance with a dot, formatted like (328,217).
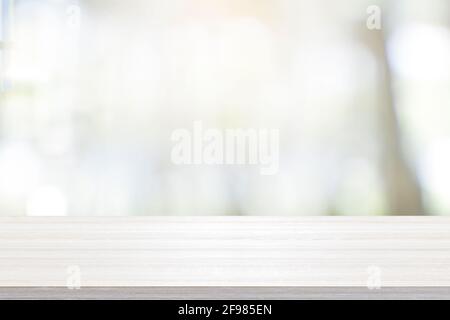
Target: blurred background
(91,90)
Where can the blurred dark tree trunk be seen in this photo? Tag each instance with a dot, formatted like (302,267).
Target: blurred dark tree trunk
(402,189)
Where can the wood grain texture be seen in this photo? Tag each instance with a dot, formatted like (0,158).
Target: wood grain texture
(225,251)
(225,293)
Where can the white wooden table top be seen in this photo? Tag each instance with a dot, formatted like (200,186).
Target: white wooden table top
(225,251)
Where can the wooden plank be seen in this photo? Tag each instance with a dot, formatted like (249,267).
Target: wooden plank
(225,251)
(225,293)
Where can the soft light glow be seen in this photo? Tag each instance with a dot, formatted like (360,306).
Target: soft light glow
(421,52)
(19,169)
(47,201)
(435,172)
